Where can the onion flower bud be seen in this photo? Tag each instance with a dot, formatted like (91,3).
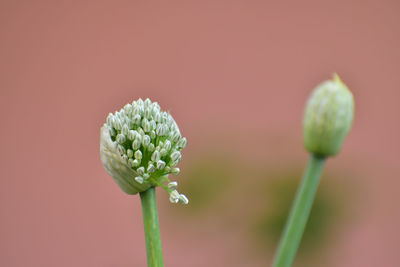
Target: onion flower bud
(139,147)
(328,117)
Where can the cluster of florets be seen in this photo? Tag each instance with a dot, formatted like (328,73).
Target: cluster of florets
(149,141)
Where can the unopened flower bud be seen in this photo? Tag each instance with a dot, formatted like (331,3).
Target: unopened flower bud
(172,185)
(129,153)
(140,170)
(174,196)
(163,152)
(131,135)
(160,164)
(175,155)
(138,155)
(139,179)
(136,144)
(156,156)
(146,140)
(125,129)
(151,168)
(182,142)
(175,171)
(183,199)
(121,138)
(151,147)
(328,117)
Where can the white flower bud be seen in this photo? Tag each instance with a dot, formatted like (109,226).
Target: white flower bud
(175,171)
(160,164)
(132,134)
(146,125)
(138,155)
(136,144)
(153,125)
(117,124)
(121,138)
(130,163)
(182,142)
(129,153)
(174,196)
(139,179)
(157,117)
(140,170)
(128,108)
(151,168)
(110,119)
(175,155)
(151,147)
(136,119)
(147,113)
(183,199)
(159,129)
(172,185)
(140,102)
(125,129)
(163,152)
(138,137)
(156,156)
(133,163)
(176,136)
(167,145)
(146,140)
(147,102)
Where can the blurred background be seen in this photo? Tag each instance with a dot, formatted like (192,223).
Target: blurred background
(235,75)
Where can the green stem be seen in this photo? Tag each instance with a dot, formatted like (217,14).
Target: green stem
(301,208)
(151,228)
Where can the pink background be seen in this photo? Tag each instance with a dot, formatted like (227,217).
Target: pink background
(235,75)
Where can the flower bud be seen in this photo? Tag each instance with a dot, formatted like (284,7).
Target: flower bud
(140,170)
(138,155)
(139,180)
(151,168)
(121,139)
(172,185)
(328,117)
(160,164)
(175,171)
(156,156)
(175,155)
(125,129)
(182,142)
(146,140)
(183,199)
(132,135)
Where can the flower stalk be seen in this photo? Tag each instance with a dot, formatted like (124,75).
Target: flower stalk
(151,228)
(300,212)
